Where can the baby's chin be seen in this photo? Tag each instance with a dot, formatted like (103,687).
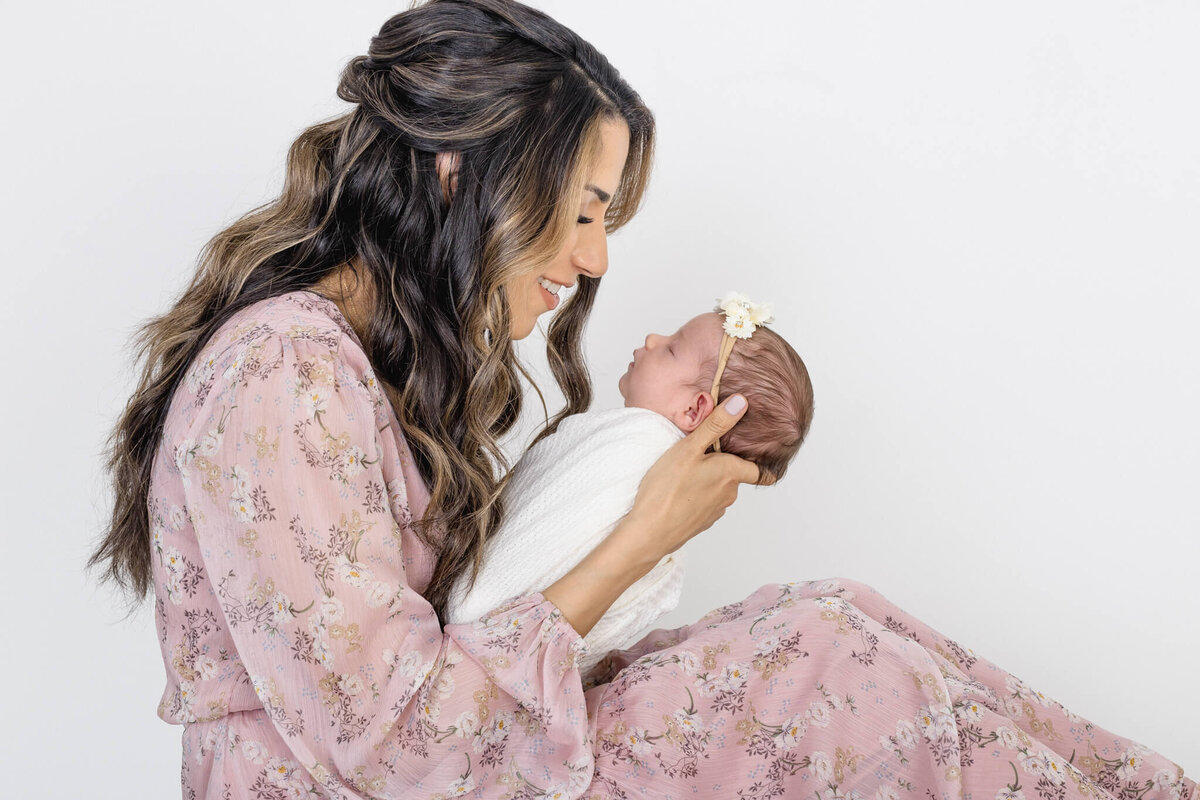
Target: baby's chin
(669,413)
(665,412)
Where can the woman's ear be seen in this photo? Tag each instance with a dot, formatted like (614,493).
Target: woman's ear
(447,167)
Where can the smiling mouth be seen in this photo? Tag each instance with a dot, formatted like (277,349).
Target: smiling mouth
(550,292)
(550,298)
(550,286)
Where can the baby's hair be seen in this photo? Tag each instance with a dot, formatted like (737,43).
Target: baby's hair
(774,380)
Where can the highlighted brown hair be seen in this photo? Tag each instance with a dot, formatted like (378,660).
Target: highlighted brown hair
(520,99)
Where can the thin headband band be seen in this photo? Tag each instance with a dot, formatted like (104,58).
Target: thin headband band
(741,318)
(722,359)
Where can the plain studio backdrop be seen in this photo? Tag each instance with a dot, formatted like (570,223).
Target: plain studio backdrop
(977,224)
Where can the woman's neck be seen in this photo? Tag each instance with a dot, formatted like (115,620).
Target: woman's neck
(351,294)
(354,297)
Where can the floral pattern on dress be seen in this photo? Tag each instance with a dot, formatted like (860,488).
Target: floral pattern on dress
(300,655)
(868,704)
(303,662)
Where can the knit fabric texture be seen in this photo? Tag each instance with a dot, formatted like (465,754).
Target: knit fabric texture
(566,495)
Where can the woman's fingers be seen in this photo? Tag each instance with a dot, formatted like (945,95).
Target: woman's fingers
(717,424)
(689,489)
(745,471)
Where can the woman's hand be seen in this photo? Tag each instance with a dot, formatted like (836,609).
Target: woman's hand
(683,493)
(688,488)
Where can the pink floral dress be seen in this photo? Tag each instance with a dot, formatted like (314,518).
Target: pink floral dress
(303,661)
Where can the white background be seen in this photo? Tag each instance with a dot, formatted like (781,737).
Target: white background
(977,223)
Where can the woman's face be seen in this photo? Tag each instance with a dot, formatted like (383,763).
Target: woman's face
(586,248)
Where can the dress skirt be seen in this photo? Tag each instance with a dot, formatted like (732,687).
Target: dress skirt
(826,690)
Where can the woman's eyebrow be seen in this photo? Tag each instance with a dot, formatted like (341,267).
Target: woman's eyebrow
(603,195)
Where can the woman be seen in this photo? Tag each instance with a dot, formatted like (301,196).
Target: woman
(309,459)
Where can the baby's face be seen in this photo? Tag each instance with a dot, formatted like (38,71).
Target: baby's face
(663,374)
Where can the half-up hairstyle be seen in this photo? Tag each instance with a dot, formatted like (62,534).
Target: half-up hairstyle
(519,100)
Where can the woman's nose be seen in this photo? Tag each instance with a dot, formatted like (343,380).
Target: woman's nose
(590,254)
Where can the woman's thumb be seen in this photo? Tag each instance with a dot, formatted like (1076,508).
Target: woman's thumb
(723,417)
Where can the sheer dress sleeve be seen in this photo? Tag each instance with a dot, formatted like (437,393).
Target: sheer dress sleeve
(295,514)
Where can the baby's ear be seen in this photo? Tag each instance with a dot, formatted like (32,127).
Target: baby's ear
(697,411)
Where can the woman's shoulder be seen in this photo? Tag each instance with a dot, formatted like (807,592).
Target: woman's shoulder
(299,315)
(252,345)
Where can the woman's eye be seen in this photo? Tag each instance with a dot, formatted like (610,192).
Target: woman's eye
(585,220)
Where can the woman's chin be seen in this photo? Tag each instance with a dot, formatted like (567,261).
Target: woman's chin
(522,329)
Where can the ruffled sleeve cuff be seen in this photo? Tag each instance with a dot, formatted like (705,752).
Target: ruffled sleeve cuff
(533,654)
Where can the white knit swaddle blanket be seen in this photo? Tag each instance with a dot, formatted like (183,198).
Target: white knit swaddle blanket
(566,495)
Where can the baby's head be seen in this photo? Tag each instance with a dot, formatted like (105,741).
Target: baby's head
(673,375)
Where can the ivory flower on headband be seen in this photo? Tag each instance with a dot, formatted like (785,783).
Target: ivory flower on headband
(743,316)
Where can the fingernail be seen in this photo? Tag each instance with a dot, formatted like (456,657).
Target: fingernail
(735,404)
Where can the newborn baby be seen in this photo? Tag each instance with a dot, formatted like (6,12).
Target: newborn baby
(569,491)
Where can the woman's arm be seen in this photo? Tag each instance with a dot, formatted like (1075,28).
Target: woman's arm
(683,494)
(565,496)
(295,494)
(595,583)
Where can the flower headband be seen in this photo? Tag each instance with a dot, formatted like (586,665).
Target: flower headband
(742,317)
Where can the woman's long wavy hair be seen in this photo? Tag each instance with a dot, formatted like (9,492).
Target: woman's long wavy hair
(519,99)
